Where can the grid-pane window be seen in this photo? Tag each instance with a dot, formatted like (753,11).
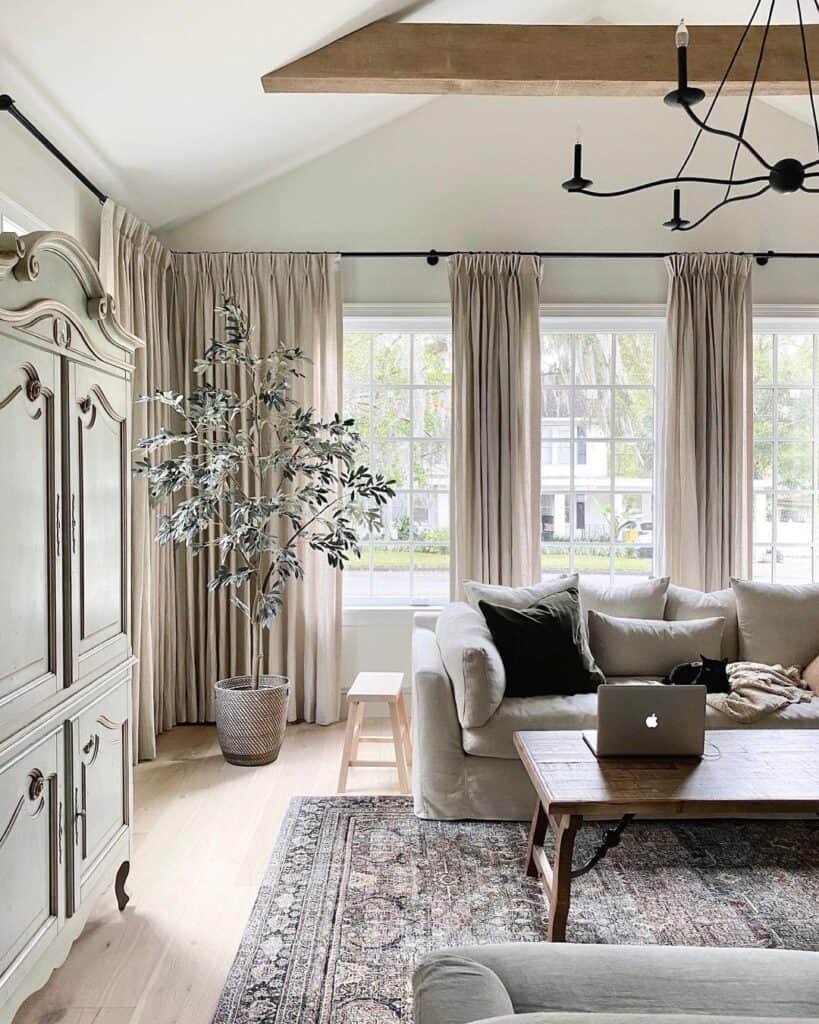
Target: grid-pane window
(786,393)
(397,386)
(597,451)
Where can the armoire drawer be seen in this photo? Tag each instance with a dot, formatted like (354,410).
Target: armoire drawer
(31,853)
(100,735)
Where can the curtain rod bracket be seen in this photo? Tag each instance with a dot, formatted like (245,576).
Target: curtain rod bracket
(433,258)
(762,260)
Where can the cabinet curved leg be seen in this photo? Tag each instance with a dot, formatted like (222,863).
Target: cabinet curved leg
(119,884)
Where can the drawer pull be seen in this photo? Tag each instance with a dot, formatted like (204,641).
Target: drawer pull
(73,524)
(59,529)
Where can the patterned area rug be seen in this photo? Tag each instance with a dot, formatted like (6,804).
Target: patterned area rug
(358,890)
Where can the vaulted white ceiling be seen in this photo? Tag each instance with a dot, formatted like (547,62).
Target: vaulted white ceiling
(160,102)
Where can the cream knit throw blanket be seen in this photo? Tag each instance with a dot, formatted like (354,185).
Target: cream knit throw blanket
(758,690)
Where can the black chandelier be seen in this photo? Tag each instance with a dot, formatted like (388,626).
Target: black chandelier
(787,175)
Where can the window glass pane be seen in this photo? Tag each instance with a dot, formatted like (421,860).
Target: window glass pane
(762,568)
(556,404)
(555,559)
(634,412)
(793,564)
(794,358)
(633,518)
(555,516)
(634,560)
(592,412)
(356,361)
(392,459)
(390,413)
(592,558)
(592,464)
(430,517)
(394,519)
(430,470)
(430,574)
(357,407)
(596,522)
(431,413)
(556,359)
(592,359)
(391,570)
(794,467)
(391,359)
(635,358)
(794,413)
(794,519)
(634,461)
(763,516)
(432,359)
(763,463)
(763,358)
(356,577)
(763,413)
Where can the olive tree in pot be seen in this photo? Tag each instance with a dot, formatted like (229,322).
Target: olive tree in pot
(244,469)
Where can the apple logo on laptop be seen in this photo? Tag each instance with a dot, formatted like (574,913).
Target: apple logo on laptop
(652,722)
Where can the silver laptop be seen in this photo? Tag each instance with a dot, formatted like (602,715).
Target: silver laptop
(648,719)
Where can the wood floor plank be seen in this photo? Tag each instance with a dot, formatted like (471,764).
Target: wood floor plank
(204,830)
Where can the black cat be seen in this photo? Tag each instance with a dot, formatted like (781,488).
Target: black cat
(710,673)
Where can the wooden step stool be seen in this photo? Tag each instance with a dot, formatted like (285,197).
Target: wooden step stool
(377,688)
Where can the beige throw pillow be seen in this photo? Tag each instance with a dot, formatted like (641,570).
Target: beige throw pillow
(810,674)
(684,603)
(472,662)
(651,647)
(516,597)
(778,622)
(643,600)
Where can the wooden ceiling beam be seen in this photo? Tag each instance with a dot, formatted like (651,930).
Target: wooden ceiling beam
(543,60)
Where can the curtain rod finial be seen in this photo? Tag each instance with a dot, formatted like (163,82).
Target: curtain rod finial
(6,102)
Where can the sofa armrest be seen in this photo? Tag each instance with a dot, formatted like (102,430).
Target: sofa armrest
(438,756)
(451,989)
(550,977)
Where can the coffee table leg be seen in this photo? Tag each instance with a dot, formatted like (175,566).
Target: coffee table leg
(566,829)
(537,833)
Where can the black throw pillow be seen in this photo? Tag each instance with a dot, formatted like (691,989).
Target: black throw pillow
(543,647)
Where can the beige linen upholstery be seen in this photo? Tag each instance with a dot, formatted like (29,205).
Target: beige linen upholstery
(684,603)
(705,455)
(517,597)
(481,983)
(495,474)
(778,622)
(633,647)
(472,662)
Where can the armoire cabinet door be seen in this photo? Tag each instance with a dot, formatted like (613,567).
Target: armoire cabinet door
(31,855)
(97,408)
(101,790)
(31,663)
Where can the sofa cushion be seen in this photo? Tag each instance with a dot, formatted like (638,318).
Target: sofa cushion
(684,603)
(495,739)
(778,622)
(472,662)
(516,597)
(544,647)
(625,647)
(642,600)
(811,675)
(567,1017)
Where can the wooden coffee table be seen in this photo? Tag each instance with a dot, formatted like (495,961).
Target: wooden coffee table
(748,772)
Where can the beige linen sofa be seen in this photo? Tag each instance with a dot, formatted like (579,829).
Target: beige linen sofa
(552,983)
(465,764)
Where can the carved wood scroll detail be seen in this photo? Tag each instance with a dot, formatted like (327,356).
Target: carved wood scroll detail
(33,389)
(33,795)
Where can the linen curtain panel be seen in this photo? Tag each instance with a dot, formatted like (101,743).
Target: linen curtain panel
(185,637)
(136,270)
(293,298)
(495,467)
(708,428)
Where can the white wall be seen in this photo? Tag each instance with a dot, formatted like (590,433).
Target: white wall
(485,173)
(32,178)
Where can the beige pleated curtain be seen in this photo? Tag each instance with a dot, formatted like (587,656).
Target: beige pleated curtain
(184,636)
(495,474)
(706,454)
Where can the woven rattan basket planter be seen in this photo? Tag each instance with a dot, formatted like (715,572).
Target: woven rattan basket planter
(251,723)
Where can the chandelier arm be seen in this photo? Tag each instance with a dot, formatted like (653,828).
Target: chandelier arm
(725,134)
(725,202)
(671,181)
(807,71)
(806,189)
(744,122)
(717,94)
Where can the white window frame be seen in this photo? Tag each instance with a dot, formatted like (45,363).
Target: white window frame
(13,216)
(614,319)
(790,320)
(398,319)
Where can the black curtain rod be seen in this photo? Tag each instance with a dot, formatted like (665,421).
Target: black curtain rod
(7,103)
(432,256)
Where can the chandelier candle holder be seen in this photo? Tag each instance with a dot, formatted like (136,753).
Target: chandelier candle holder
(787,175)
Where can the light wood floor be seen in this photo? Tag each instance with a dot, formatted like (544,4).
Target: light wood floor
(203,833)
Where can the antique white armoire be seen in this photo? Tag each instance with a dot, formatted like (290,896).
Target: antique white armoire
(65,644)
